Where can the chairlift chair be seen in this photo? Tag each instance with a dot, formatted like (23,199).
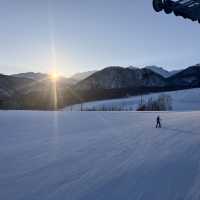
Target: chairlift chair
(188,9)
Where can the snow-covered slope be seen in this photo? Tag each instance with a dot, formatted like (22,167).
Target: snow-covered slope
(182,100)
(99,156)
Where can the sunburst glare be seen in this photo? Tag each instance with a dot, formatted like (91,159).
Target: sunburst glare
(54,76)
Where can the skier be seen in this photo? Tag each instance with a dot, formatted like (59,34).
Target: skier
(158,122)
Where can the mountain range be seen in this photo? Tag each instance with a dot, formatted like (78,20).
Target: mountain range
(35,90)
(83,75)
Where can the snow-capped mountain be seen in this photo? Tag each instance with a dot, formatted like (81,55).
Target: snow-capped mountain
(163,72)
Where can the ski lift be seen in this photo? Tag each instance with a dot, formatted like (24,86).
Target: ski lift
(188,9)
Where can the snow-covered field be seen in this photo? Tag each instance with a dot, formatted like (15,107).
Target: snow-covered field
(99,156)
(182,100)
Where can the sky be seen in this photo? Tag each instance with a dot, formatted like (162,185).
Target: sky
(80,35)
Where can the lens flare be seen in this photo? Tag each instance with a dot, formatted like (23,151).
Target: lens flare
(54,76)
(55,94)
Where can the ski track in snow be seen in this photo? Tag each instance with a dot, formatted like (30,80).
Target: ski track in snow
(99,156)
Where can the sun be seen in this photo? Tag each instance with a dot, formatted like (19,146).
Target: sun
(54,76)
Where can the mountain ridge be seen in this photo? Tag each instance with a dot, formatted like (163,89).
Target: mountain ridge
(116,77)
(110,82)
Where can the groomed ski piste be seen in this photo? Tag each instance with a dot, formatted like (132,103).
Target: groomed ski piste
(99,156)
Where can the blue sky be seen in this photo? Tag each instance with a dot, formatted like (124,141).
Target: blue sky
(80,35)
